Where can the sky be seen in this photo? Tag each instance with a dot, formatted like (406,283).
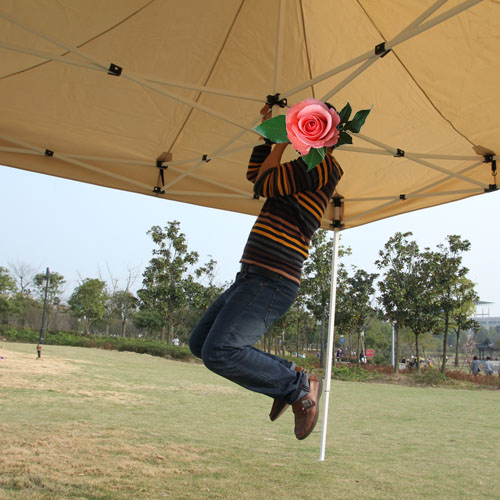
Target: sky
(84,231)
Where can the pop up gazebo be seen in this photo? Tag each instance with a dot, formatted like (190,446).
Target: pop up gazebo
(160,97)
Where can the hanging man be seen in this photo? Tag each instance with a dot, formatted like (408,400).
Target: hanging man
(267,284)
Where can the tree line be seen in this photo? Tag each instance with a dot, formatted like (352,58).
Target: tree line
(424,294)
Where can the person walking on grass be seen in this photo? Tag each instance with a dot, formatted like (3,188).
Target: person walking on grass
(267,284)
(39,351)
(475,367)
(488,367)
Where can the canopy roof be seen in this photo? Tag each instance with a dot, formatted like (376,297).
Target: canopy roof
(102,92)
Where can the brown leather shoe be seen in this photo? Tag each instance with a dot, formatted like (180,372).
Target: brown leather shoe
(306,410)
(280,405)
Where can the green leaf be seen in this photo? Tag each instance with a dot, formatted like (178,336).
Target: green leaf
(344,138)
(358,121)
(314,157)
(274,129)
(345,113)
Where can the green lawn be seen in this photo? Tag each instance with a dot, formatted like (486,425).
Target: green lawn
(93,424)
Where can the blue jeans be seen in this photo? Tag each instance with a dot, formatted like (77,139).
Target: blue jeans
(225,335)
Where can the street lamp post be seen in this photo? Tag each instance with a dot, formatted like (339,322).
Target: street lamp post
(46,280)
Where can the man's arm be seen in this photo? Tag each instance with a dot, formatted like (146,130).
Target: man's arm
(273,159)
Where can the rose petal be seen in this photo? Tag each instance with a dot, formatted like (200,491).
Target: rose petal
(310,123)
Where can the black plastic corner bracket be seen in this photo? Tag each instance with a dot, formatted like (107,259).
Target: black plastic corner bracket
(337,223)
(399,153)
(205,158)
(491,188)
(402,197)
(488,158)
(158,190)
(114,70)
(48,152)
(256,196)
(274,100)
(380,50)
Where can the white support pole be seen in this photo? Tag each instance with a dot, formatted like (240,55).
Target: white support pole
(329,349)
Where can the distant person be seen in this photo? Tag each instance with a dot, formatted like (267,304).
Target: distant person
(488,368)
(475,366)
(175,340)
(39,351)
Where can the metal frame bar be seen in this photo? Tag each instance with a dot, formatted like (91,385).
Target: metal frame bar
(76,160)
(402,37)
(368,63)
(279,44)
(68,159)
(421,161)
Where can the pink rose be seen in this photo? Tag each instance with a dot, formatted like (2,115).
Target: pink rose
(311,124)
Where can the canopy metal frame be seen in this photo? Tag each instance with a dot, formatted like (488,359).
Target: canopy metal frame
(161,86)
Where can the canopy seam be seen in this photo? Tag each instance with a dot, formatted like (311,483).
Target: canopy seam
(65,53)
(306,45)
(427,97)
(210,73)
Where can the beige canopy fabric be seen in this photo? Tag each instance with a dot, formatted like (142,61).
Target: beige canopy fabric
(99,91)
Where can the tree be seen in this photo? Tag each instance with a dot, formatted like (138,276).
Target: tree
(7,289)
(200,291)
(378,336)
(359,293)
(464,295)
(23,273)
(397,262)
(122,305)
(88,301)
(316,281)
(422,300)
(54,291)
(149,320)
(164,280)
(448,271)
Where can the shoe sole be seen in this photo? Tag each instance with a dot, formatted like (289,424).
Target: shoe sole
(275,414)
(320,391)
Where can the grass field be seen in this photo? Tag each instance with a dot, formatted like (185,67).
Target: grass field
(94,424)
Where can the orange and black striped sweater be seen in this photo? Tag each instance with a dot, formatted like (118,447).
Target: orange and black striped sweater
(296,202)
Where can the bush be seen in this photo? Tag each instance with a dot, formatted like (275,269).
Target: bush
(379,369)
(140,346)
(430,376)
(350,373)
(491,380)
(25,335)
(381,359)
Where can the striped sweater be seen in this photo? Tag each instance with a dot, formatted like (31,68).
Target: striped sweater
(296,201)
